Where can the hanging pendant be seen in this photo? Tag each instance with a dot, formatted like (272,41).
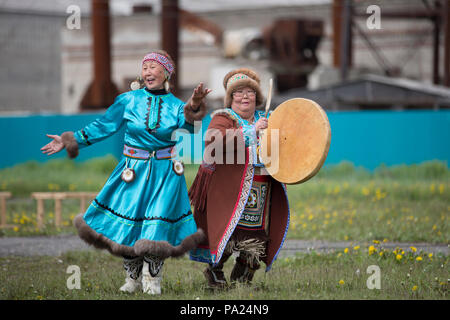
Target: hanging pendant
(128,175)
(178,167)
(136,84)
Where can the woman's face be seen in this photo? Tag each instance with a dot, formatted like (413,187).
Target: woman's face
(244,101)
(153,75)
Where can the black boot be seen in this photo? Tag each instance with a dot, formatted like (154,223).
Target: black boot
(214,274)
(244,269)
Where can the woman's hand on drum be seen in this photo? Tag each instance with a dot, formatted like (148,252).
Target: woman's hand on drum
(54,146)
(261,124)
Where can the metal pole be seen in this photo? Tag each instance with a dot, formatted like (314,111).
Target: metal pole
(446,19)
(436,34)
(101,92)
(346,39)
(337,32)
(169,29)
(102,49)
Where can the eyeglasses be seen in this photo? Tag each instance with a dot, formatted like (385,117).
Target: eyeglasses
(241,93)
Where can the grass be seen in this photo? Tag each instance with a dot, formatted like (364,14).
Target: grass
(401,203)
(335,275)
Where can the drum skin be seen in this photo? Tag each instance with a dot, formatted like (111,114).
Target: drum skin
(304,136)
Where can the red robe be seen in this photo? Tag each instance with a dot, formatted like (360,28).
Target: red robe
(219,194)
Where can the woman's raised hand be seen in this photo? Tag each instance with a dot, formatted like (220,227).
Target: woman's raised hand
(198,95)
(53,146)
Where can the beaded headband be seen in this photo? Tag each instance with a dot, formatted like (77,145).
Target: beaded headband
(236,77)
(162,60)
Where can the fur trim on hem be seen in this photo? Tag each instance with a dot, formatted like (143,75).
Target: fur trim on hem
(143,247)
(70,144)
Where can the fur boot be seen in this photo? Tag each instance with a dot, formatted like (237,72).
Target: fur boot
(152,275)
(133,270)
(244,269)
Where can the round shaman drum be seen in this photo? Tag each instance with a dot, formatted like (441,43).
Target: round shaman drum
(300,143)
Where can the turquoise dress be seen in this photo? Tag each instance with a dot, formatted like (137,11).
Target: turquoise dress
(155,205)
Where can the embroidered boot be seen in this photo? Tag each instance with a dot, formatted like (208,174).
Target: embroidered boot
(133,270)
(152,275)
(244,270)
(214,274)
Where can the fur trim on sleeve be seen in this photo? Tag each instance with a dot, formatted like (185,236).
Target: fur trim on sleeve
(191,115)
(70,144)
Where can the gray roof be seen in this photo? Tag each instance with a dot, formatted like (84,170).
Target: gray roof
(124,7)
(375,91)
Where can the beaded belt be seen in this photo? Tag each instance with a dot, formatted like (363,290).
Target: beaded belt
(136,153)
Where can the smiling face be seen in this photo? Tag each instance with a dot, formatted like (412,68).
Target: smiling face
(153,75)
(244,102)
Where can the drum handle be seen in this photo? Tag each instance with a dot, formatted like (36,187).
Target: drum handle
(269,97)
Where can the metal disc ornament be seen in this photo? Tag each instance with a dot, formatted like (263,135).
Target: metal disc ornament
(178,167)
(128,175)
(135,85)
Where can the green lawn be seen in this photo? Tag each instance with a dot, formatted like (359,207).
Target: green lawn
(336,275)
(403,203)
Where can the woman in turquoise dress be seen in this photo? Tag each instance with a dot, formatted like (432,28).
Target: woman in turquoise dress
(143,212)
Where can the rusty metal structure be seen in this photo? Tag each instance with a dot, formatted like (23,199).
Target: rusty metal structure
(292,45)
(344,24)
(101,91)
(170,17)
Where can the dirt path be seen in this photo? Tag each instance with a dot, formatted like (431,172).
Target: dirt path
(57,245)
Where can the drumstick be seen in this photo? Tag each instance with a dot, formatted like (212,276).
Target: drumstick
(269,97)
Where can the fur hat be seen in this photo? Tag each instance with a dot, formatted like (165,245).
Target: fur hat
(239,78)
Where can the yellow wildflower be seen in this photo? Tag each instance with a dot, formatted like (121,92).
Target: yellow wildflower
(346,250)
(356,247)
(430,256)
(376,241)
(16,229)
(419,259)
(372,249)
(413,249)
(365,191)
(385,240)
(414,288)
(441,188)
(381,253)
(341,282)
(398,257)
